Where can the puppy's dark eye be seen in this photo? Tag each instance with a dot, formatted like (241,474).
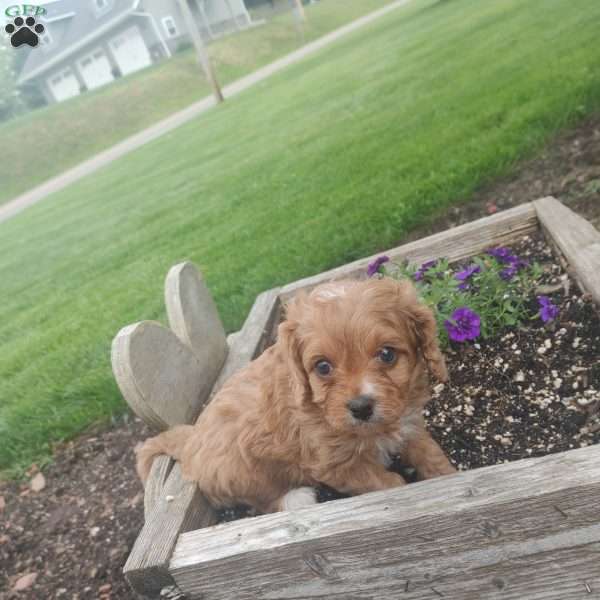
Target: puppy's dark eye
(387,355)
(323,368)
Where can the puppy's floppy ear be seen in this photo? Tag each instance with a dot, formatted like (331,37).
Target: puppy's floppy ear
(288,339)
(424,326)
(426,331)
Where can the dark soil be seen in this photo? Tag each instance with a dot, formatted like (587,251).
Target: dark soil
(76,532)
(529,392)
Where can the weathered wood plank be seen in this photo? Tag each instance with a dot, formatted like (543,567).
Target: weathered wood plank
(231,338)
(165,375)
(158,375)
(255,334)
(576,238)
(179,506)
(147,566)
(484,533)
(194,319)
(569,573)
(153,490)
(455,244)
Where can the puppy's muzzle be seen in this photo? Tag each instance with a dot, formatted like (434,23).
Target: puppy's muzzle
(361,407)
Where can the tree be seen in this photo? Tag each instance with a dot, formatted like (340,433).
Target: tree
(10,98)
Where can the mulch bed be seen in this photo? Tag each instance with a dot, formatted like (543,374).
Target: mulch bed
(76,532)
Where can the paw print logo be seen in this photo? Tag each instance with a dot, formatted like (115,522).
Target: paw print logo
(24,31)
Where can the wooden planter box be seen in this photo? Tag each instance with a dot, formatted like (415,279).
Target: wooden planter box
(528,529)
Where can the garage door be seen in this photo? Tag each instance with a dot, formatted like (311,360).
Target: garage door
(95,69)
(130,51)
(63,85)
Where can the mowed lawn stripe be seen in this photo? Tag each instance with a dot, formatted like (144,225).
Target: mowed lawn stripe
(335,158)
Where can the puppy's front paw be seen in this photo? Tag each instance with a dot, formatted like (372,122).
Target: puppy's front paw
(436,469)
(299,498)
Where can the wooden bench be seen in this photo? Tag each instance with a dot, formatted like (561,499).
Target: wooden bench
(528,529)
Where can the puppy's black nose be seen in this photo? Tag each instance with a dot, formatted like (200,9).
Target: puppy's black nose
(361,407)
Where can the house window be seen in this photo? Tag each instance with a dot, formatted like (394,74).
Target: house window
(170,27)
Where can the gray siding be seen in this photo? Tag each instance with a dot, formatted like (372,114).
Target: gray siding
(162,9)
(225,14)
(57,31)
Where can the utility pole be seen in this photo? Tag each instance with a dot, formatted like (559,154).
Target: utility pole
(299,8)
(203,58)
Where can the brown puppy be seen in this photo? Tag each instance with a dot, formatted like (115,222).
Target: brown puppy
(340,392)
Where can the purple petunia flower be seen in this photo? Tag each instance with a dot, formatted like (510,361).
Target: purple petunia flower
(508,273)
(468,272)
(520,263)
(375,266)
(548,310)
(420,274)
(464,275)
(464,324)
(514,265)
(502,254)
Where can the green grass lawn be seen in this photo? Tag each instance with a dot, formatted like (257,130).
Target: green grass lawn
(333,159)
(46,142)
